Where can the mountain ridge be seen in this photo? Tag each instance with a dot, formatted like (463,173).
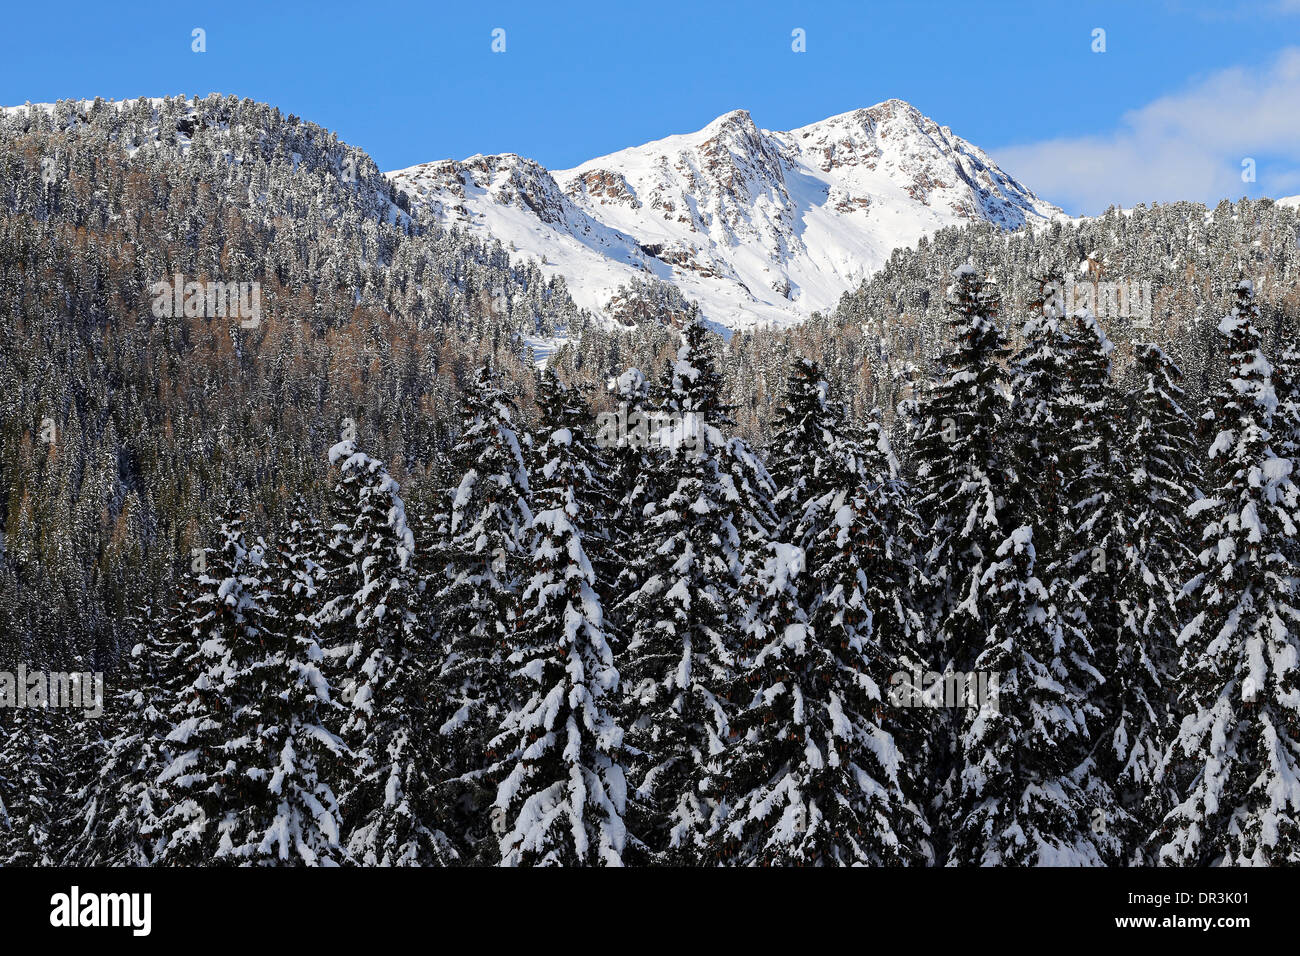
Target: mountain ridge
(759,227)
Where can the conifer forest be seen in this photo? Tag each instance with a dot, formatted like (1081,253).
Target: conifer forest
(396,553)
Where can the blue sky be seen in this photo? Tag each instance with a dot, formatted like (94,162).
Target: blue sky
(1183,94)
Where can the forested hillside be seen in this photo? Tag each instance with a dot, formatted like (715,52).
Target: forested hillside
(890,332)
(121,431)
(371,588)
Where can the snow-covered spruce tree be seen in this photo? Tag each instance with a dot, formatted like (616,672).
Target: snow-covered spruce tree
(30,785)
(624,437)
(1153,559)
(807,456)
(1092,470)
(843,502)
(870,584)
(751,494)
(1065,426)
(887,544)
(218,766)
(1286,384)
(1063,441)
(1235,761)
(300,823)
(118,812)
(813,778)
(338,574)
(561,407)
(562,791)
(961,470)
(817,459)
(85,737)
(476,598)
(76,837)
(1285,430)
(1018,803)
(679,659)
(1040,382)
(387,808)
(961,473)
(764,783)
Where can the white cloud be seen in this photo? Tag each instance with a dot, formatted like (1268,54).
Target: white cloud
(1188,145)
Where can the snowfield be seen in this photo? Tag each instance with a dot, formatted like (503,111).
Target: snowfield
(758,227)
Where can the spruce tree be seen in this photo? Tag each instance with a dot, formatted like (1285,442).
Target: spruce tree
(1095,531)
(562,792)
(1041,379)
(561,407)
(1018,802)
(1066,423)
(813,778)
(30,785)
(1154,555)
(217,770)
(1286,383)
(961,471)
(387,806)
(300,823)
(680,655)
(476,597)
(119,809)
(624,436)
(841,499)
(1235,761)
(807,454)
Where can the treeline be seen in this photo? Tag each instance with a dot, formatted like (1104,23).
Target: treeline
(884,338)
(601,643)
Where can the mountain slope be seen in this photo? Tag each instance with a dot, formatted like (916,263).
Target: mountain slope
(759,227)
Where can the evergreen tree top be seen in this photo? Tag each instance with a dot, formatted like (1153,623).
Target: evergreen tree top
(381,492)
(632,386)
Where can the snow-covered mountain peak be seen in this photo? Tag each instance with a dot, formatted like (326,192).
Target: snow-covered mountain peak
(453,190)
(737,122)
(757,226)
